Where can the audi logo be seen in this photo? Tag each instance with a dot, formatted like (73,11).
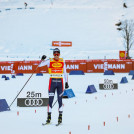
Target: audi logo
(33,102)
(108,86)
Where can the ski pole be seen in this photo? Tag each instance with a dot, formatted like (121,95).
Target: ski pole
(57,98)
(24,85)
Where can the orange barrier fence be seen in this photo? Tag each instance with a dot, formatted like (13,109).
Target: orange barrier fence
(88,66)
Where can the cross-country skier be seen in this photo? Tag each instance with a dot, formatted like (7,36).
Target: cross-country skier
(25,4)
(56,69)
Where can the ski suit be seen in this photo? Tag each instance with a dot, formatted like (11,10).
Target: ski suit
(56,70)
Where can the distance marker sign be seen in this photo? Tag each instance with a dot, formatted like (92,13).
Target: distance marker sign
(108,84)
(33,99)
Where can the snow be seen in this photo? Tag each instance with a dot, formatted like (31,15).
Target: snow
(90,25)
(79,112)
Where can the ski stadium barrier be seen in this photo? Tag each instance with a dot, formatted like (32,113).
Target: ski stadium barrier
(19,8)
(124,80)
(3,105)
(3,76)
(87,66)
(68,93)
(7,78)
(39,74)
(91,89)
(76,65)
(13,76)
(31,8)
(108,72)
(76,72)
(7,9)
(118,66)
(131,72)
(19,74)
(133,77)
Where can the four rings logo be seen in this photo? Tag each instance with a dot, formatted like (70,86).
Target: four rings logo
(108,84)
(33,102)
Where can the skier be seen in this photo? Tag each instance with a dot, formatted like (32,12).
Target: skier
(25,4)
(56,68)
(124,5)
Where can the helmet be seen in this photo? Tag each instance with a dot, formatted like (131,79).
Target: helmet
(56,50)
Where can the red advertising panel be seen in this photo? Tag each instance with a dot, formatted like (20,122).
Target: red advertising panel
(120,66)
(62,43)
(76,65)
(29,67)
(88,66)
(25,68)
(95,66)
(21,67)
(133,64)
(6,67)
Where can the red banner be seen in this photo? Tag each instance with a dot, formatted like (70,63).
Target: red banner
(133,64)
(76,65)
(88,66)
(99,66)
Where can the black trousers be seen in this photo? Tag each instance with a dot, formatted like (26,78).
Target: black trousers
(55,84)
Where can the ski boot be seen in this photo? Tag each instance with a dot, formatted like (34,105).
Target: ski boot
(48,118)
(60,118)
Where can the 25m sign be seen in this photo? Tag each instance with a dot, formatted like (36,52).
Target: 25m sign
(33,99)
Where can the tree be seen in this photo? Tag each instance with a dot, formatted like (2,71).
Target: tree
(127,33)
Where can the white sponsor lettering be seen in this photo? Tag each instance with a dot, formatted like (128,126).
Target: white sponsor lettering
(62,43)
(105,66)
(128,62)
(82,63)
(4,68)
(25,67)
(109,66)
(34,94)
(42,71)
(59,43)
(72,66)
(98,66)
(89,70)
(51,94)
(56,75)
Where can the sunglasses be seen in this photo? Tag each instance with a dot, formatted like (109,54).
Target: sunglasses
(56,54)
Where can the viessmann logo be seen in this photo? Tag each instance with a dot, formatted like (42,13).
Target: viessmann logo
(56,65)
(109,66)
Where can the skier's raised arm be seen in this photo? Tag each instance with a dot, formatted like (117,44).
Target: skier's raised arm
(44,62)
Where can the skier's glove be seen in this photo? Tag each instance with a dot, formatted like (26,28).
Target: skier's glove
(43,57)
(66,85)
